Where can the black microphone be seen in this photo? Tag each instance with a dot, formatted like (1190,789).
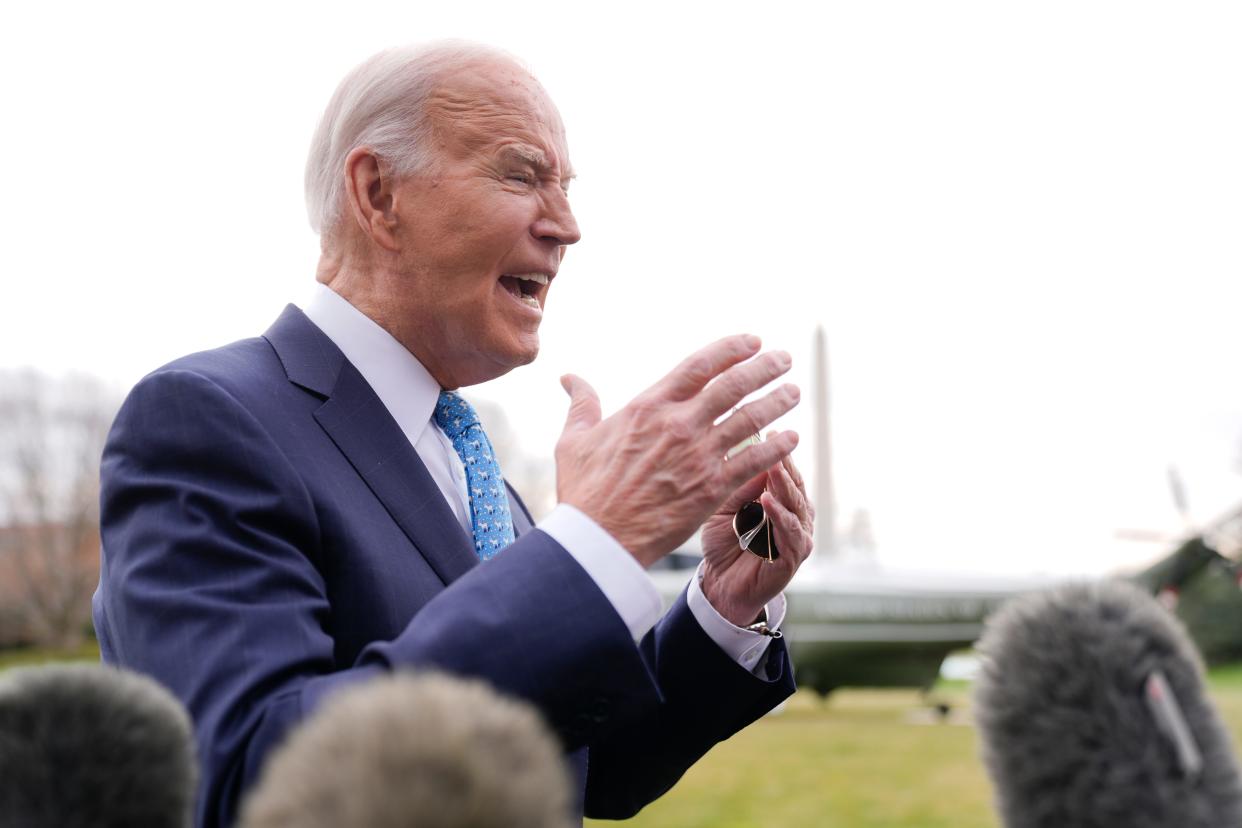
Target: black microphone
(1092,712)
(415,751)
(89,746)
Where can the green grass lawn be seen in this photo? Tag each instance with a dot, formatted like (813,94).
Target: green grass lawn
(89,651)
(863,759)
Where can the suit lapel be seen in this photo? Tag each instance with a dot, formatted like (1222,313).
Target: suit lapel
(522,522)
(368,436)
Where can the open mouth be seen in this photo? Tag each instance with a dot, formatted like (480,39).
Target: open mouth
(527,288)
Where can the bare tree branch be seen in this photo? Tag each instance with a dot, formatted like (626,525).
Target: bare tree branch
(51,438)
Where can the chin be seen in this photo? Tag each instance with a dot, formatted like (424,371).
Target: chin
(526,355)
(524,347)
(498,362)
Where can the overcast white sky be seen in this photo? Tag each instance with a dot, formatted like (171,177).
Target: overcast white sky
(1019,224)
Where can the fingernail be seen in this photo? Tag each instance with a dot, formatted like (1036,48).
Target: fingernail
(783,359)
(753,342)
(794,392)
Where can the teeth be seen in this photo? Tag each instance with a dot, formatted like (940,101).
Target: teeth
(530,301)
(541,278)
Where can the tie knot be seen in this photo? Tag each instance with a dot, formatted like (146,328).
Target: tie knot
(454,415)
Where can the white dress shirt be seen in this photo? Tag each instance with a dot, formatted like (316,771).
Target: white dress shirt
(410,393)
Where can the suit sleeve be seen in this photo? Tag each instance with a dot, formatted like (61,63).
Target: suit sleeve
(706,697)
(209,583)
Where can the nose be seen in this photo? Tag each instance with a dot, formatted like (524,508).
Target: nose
(556,222)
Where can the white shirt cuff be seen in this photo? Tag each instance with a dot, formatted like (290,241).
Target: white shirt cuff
(625,584)
(743,646)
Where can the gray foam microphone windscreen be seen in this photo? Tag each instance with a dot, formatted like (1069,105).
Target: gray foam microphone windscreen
(1092,711)
(88,745)
(415,751)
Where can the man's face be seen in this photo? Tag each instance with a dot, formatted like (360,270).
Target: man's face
(484,229)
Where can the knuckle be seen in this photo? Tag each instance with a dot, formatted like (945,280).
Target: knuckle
(771,452)
(680,429)
(737,347)
(643,409)
(750,416)
(698,366)
(731,385)
(772,364)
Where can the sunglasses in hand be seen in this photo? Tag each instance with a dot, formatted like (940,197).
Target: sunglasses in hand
(751,524)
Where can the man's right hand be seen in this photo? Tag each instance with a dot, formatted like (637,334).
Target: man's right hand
(652,473)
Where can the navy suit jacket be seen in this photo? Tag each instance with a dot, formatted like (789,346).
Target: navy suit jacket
(269,535)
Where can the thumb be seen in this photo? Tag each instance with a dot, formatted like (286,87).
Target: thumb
(584,409)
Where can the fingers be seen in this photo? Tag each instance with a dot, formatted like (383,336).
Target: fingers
(758,458)
(791,469)
(754,416)
(782,486)
(728,389)
(584,407)
(795,475)
(698,369)
(791,536)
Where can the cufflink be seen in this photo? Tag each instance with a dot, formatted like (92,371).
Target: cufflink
(761,626)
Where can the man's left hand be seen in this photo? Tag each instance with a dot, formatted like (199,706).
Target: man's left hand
(738,583)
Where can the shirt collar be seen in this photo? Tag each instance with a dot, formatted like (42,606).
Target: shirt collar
(401,382)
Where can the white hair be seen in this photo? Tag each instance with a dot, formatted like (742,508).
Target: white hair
(381,105)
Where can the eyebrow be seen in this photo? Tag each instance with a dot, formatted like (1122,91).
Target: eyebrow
(535,157)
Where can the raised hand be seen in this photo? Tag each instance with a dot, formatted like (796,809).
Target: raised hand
(652,473)
(736,582)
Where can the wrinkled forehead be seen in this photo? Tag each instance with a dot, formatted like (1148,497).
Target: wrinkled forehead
(484,104)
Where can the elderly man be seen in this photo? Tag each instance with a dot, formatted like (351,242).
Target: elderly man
(290,514)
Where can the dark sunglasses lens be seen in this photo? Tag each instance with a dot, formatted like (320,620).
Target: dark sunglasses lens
(748,517)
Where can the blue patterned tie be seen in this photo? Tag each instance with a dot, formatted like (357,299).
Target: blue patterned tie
(490,520)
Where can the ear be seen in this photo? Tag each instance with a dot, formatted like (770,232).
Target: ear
(369,197)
